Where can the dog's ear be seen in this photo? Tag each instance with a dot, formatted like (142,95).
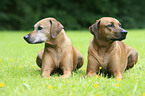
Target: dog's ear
(95,28)
(56,27)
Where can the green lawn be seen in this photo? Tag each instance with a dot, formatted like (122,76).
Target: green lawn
(21,76)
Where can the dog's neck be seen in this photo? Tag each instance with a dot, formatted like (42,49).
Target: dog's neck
(103,46)
(102,42)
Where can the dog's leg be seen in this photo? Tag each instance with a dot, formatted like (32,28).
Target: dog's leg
(115,66)
(132,58)
(39,58)
(66,65)
(80,62)
(116,69)
(80,59)
(118,75)
(47,65)
(92,66)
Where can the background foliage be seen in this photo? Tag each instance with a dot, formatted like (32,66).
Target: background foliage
(73,14)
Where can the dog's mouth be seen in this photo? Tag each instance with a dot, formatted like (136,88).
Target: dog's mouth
(34,42)
(28,40)
(118,39)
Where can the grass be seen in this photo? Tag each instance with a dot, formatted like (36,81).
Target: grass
(20,75)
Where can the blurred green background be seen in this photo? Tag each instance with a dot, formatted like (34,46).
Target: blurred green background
(73,14)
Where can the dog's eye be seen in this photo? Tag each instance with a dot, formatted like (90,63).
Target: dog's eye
(39,28)
(110,25)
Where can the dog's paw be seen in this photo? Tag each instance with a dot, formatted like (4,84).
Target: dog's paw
(44,76)
(65,76)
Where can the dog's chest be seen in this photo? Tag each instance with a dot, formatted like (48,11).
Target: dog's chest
(56,54)
(103,56)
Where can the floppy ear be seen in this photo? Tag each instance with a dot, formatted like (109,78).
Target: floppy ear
(56,27)
(95,28)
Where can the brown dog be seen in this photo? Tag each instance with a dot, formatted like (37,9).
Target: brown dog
(106,49)
(58,53)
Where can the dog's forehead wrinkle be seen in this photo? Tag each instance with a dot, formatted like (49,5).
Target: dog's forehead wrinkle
(41,26)
(109,20)
(44,20)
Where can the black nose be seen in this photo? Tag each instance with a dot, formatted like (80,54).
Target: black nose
(26,37)
(123,32)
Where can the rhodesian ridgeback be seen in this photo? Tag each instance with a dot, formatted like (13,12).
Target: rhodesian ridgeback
(58,53)
(107,51)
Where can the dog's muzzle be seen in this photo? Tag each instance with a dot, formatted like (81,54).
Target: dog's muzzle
(27,38)
(123,32)
(31,40)
(120,35)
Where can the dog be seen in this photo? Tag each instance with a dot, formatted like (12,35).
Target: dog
(58,53)
(107,53)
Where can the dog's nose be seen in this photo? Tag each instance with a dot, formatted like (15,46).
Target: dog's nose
(26,37)
(123,32)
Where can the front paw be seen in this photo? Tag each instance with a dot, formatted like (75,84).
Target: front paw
(46,76)
(66,75)
(91,73)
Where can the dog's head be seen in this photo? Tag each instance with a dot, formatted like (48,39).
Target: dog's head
(108,28)
(44,30)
